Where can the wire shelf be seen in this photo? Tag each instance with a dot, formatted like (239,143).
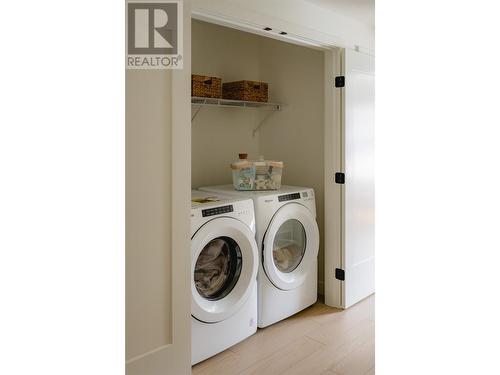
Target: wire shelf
(195,100)
(200,102)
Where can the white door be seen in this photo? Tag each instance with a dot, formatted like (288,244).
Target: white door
(359,197)
(350,264)
(290,245)
(224,269)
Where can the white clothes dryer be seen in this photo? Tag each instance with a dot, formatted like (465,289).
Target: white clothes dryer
(224,264)
(288,240)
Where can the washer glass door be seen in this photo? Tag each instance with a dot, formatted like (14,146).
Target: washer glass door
(217,268)
(224,264)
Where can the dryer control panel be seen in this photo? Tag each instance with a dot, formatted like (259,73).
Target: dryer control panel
(288,197)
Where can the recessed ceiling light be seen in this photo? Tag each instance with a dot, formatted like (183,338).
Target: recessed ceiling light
(283,33)
(267,28)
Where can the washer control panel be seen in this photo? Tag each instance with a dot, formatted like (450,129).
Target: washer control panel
(217,210)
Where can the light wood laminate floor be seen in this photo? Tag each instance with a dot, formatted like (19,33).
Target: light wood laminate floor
(319,340)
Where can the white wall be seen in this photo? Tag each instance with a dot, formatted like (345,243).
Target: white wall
(148,211)
(295,135)
(158,202)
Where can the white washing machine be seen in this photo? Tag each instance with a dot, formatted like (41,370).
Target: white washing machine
(288,240)
(224,265)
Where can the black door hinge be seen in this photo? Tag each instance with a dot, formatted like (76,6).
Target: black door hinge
(339,178)
(339,81)
(339,274)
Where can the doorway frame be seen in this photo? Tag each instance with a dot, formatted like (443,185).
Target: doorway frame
(330,287)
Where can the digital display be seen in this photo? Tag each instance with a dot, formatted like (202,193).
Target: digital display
(216,210)
(288,197)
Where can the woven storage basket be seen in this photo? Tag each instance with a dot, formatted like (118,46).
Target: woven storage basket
(245,90)
(206,86)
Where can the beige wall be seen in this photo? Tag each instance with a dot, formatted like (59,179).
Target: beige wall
(219,134)
(294,135)
(148,206)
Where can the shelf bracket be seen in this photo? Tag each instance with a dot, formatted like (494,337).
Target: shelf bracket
(196,112)
(269,114)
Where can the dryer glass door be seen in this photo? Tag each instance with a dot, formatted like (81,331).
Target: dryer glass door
(290,246)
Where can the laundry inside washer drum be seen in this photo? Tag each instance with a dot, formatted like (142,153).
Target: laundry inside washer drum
(217,268)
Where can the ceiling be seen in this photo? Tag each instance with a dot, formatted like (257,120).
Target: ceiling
(360,10)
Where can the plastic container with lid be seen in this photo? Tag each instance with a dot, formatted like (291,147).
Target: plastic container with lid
(268,174)
(243,173)
(256,175)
